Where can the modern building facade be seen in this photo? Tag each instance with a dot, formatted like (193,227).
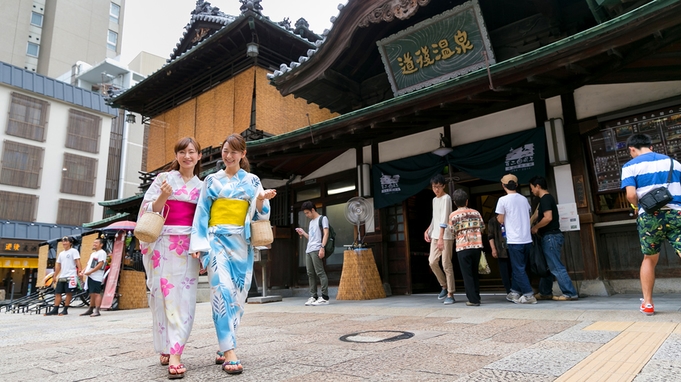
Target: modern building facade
(54,153)
(47,37)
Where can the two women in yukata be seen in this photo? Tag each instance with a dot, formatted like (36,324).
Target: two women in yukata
(209,220)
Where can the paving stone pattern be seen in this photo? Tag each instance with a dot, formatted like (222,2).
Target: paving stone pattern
(286,341)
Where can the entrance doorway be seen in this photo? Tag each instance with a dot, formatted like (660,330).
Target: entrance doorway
(483,196)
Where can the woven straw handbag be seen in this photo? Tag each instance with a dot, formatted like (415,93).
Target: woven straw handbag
(150,225)
(261,233)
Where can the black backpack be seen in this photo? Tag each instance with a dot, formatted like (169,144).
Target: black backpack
(331,242)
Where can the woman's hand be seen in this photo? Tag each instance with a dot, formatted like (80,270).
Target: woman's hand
(267,194)
(166,190)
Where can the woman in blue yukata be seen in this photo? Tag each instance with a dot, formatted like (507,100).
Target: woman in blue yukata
(230,199)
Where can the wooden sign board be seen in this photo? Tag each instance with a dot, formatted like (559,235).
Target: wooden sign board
(443,47)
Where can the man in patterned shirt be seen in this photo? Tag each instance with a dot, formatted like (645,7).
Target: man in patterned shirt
(646,171)
(466,224)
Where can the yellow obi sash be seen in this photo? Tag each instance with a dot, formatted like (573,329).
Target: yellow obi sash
(228,211)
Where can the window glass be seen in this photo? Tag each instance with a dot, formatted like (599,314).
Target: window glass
(112,40)
(73,212)
(33,49)
(21,164)
(36,19)
(16,206)
(79,174)
(83,131)
(307,194)
(27,117)
(114,13)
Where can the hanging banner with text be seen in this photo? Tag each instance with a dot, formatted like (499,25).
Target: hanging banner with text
(434,50)
(522,154)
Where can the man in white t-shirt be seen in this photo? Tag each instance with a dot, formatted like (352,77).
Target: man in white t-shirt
(514,214)
(94,272)
(314,253)
(66,270)
(441,240)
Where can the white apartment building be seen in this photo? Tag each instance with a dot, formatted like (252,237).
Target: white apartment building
(48,36)
(54,151)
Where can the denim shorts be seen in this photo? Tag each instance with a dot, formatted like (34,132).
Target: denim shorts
(658,226)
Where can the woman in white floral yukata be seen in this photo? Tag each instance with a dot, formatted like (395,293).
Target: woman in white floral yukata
(172,273)
(230,199)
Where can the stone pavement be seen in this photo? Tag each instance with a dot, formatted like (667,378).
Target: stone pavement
(399,338)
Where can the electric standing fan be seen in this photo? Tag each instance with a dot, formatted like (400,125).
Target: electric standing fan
(357,211)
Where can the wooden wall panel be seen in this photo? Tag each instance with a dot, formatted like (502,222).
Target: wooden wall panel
(186,121)
(172,118)
(243,99)
(156,143)
(43,252)
(215,115)
(277,115)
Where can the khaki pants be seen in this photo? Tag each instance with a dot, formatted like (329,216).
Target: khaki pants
(445,279)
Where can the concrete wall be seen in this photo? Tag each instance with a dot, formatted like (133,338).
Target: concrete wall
(76,30)
(15,19)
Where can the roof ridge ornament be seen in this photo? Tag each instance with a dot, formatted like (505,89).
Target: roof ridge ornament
(391,9)
(251,5)
(204,8)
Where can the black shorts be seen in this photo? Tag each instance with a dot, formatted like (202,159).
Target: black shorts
(63,287)
(94,286)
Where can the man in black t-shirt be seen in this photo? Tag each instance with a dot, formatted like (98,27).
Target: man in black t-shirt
(548,227)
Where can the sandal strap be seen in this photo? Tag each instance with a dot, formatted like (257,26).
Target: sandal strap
(232,363)
(220,353)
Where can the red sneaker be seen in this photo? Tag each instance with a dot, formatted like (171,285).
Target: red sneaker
(647,309)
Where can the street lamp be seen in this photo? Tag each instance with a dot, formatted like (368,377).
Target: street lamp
(252,49)
(130,118)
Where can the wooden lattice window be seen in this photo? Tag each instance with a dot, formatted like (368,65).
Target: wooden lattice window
(79,175)
(74,212)
(27,117)
(21,164)
(83,131)
(17,206)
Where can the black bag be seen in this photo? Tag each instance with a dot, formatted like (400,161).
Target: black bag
(537,261)
(331,242)
(657,198)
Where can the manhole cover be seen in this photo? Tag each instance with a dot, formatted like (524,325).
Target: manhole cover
(373,336)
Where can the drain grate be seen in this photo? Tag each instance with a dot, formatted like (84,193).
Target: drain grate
(374,336)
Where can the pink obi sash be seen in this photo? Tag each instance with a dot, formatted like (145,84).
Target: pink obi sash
(180,213)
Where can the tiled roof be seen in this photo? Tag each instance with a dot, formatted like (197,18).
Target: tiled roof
(49,87)
(175,59)
(311,52)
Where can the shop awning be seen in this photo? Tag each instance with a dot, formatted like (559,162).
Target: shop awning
(18,262)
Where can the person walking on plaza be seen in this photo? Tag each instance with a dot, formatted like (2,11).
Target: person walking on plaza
(93,275)
(497,243)
(66,271)
(467,225)
(646,171)
(548,227)
(440,239)
(314,253)
(229,201)
(513,212)
(172,273)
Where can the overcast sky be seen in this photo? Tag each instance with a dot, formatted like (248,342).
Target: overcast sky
(155,26)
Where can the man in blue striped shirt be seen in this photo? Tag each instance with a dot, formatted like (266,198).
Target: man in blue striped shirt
(646,171)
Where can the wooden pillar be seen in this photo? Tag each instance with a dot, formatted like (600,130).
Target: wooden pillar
(578,166)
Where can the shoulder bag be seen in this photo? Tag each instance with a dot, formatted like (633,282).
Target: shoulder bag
(658,197)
